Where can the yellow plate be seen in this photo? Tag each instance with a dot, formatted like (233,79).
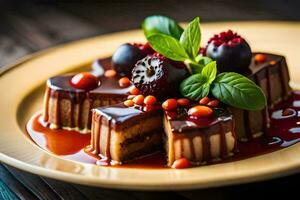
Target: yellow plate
(21,89)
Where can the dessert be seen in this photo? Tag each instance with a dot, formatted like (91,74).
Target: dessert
(199,140)
(194,105)
(268,71)
(273,77)
(117,133)
(66,106)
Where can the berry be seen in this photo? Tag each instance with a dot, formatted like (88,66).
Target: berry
(147,108)
(128,103)
(134,91)
(85,81)
(204,101)
(131,96)
(213,103)
(145,48)
(169,104)
(202,51)
(154,75)
(110,73)
(200,111)
(150,100)
(124,82)
(231,52)
(181,163)
(272,62)
(183,102)
(139,99)
(125,57)
(260,57)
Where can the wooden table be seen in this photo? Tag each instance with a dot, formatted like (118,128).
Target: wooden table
(28,27)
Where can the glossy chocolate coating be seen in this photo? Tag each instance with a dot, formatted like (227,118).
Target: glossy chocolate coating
(108,87)
(180,121)
(120,114)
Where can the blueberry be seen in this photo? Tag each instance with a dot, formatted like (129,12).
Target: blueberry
(231,51)
(125,57)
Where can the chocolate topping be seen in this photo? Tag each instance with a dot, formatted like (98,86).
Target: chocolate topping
(120,114)
(261,72)
(180,121)
(108,87)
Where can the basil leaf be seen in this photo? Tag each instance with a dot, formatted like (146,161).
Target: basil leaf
(195,87)
(161,24)
(167,46)
(203,60)
(196,67)
(210,71)
(238,91)
(190,38)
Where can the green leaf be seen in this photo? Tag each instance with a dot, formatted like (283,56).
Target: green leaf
(161,24)
(210,71)
(196,67)
(191,37)
(203,60)
(195,87)
(238,91)
(167,46)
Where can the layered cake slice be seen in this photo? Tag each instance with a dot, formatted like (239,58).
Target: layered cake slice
(199,139)
(271,74)
(121,133)
(67,105)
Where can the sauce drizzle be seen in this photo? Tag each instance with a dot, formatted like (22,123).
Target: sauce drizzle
(283,132)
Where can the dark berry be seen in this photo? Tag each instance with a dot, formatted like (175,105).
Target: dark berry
(202,51)
(231,52)
(125,57)
(145,48)
(154,75)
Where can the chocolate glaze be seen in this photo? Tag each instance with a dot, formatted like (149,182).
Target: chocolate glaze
(265,74)
(110,90)
(184,126)
(180,121)
(274,64)
(283,132)
(114,117)
(59,88)
(121,115)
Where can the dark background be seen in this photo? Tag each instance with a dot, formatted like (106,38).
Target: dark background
(26,27)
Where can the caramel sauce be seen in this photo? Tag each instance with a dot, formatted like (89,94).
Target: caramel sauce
(283,132)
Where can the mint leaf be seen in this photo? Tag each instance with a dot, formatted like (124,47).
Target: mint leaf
(161,24)
(190,38)
(195,87)
(203,60)
(238,91)
(210,71)
(196,67)
(167,46)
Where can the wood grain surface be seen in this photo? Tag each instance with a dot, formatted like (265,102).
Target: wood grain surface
(29,27)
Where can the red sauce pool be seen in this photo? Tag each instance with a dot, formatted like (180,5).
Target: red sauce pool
(283,132)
